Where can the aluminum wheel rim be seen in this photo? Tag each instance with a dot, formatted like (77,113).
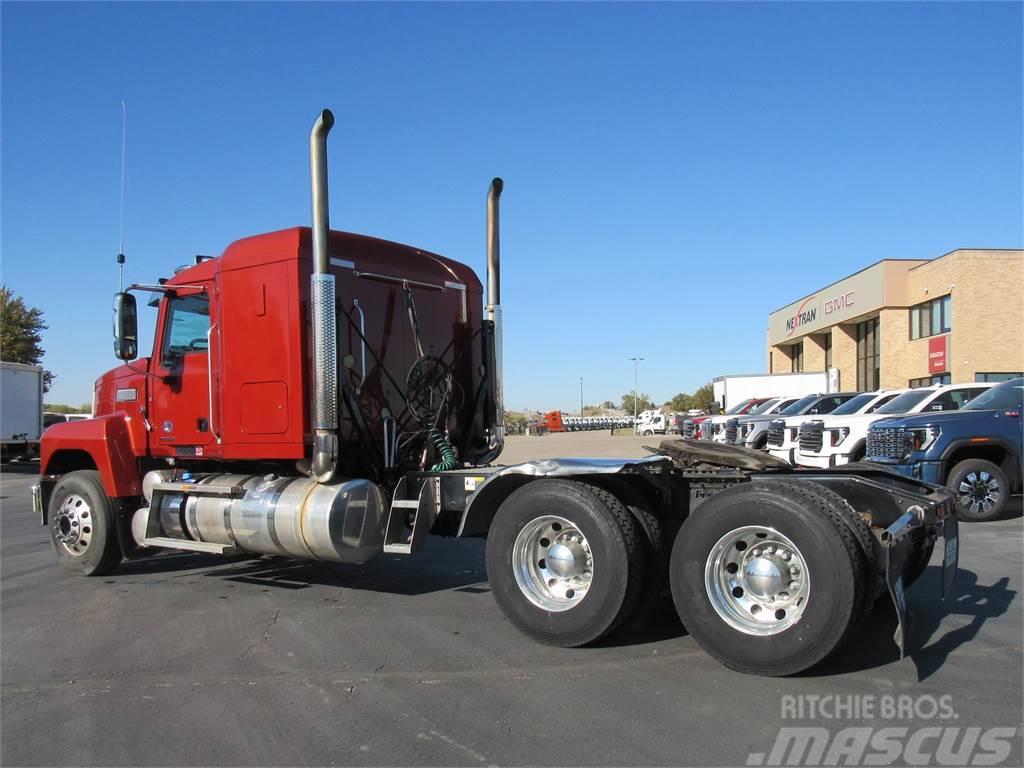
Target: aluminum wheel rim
(979,492)
(757,580)
(552,563)
(73,525)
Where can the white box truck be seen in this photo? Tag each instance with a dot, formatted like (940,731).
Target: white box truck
(21,410)
(730,390)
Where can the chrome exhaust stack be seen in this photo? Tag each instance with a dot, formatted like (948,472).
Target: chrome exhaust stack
(493,308)
(322,302)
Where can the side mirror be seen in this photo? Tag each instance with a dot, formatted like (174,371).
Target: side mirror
(126,327)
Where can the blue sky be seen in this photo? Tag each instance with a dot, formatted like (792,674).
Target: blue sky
(673,172)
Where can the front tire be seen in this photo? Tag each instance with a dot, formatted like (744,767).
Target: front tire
(81,522)
(981,488)
(565,561)
(768,577)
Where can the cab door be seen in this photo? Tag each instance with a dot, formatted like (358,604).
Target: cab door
(180,398)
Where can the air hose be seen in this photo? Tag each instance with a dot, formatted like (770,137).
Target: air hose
(444,450)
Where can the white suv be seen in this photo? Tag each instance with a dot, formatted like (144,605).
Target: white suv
(840,437)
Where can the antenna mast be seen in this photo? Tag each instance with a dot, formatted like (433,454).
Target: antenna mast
(124,149)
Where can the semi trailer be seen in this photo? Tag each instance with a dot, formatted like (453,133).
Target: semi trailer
(318,394)
(21,410)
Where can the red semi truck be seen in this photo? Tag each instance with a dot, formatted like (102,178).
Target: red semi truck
(318,394)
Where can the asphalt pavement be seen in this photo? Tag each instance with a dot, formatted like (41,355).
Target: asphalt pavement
(196,660)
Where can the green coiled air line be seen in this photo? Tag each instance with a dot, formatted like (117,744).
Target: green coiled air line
(443,449)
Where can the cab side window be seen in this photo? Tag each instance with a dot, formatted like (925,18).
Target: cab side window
(881,401)
(954,400)
(826,405)
(186,328)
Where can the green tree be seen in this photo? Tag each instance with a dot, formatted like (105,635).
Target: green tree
(682,402)
(643,403)
(607,404)
(62,408)
(704,397)
(21,333)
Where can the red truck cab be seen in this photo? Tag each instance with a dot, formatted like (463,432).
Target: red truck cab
(228,376)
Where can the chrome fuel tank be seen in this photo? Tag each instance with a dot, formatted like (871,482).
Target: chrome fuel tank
(289,516)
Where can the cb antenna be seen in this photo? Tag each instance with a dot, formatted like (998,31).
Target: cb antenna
(124,150)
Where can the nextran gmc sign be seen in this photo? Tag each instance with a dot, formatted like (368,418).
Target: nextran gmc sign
(807,313)
(857,295)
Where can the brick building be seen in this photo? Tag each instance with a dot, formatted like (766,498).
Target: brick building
(909,322)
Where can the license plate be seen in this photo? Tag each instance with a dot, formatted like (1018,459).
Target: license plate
(951,554)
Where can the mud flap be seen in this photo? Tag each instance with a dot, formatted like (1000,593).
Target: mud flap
(894,582)
(951,554)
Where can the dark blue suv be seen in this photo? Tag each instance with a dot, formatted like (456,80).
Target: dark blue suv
(975,451)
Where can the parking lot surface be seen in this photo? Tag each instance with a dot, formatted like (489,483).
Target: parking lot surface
(196,660)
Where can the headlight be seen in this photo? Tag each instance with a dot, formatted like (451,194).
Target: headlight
(921,439)
(793,432)
(839,434)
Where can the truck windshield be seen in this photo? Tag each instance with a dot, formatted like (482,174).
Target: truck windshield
(1007,396)
(903,403)
(855,404)
(739,408)
(798,407)
(764,407)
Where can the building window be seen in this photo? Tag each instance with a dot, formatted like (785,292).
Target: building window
(797,357)
(828,351)
(931,318)
(867,355)
(997,376)
(930,381)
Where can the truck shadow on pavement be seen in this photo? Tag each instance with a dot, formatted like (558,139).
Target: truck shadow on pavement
(969,606)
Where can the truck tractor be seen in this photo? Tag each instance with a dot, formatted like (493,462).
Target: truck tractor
(317,394)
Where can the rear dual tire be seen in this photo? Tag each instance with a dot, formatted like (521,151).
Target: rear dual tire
(769,577)
(565,561)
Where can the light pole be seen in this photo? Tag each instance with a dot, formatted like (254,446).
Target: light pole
(636,385)
(581,397)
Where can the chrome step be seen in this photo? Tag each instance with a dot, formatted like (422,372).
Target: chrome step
(189,546)
(398,538)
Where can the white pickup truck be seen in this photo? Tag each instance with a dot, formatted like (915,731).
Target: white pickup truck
(751,430)
(840,437)
(714,427)
(782,432)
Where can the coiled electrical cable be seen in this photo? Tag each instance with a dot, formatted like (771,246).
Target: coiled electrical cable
(443,450)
